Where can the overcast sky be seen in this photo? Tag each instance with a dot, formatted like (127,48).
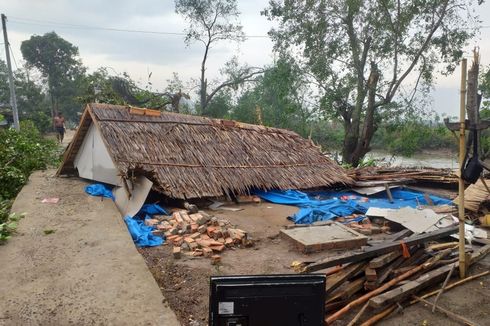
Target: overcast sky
(141,53)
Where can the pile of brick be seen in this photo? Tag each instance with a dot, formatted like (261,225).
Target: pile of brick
(199,234)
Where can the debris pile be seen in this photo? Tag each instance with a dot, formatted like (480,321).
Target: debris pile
(199,234)
(370,174)
(389,275)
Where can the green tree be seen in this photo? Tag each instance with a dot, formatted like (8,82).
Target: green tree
(4,85)
(361,52)
(211,22)
(58,62)
(30,97)
(220,106)
(97,87)
(278,98)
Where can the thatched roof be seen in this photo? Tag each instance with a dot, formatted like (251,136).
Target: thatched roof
(190,156)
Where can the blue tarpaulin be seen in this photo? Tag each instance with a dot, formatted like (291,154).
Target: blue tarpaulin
(152,209)
(140,232)
(326,205)
(98,189)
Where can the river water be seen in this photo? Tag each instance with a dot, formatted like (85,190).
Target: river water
(434,160)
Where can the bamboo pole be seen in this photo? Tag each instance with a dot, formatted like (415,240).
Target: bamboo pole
(462,106)
(448,313)
(373,320)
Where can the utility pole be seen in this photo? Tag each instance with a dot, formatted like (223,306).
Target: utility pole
(13,98)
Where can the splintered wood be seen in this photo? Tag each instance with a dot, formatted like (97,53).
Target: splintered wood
(199,234)
(373,174)
(388,275)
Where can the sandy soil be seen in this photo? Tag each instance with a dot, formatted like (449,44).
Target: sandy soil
(86,271)
(185,281)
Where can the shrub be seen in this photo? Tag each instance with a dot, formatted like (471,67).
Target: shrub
(8,221)
(20,154)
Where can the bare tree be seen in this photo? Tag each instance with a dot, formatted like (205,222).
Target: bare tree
(212,21)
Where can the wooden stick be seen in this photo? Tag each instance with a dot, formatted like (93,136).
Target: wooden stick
(359,314)
(443,287)
(450,286)
(462,140)
(373,320)
(380,249)
(448,313)
(390,309)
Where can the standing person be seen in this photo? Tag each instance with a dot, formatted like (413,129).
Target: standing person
(59,125)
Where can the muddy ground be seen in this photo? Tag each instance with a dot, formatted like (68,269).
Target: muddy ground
(185,282)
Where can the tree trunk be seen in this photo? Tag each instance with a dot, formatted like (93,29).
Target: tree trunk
(352,127)
(53,113)
(203,93)
(356,143)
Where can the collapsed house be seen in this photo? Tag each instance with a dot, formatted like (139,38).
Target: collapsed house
(184,156)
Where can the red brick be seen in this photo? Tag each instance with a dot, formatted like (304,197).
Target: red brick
(215,259)
(176,252)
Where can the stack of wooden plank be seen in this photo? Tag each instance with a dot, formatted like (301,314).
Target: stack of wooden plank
(379,278)
(198,234)
(447,176)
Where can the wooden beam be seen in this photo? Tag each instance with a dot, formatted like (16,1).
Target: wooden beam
(384,259)
(379,250)
(406,290)
(337,279)
(388,270)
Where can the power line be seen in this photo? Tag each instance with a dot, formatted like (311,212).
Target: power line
(13,57)
(28,21)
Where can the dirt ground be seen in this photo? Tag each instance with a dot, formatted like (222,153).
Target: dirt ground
(185,282)
(74,263)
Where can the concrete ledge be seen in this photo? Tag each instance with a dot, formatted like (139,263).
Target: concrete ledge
(87,272)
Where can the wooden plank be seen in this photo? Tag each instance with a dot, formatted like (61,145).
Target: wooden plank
(400,235)
(380,249)
(335,280)
(406,290)
(389,269)
(384,259)
(353,288)
(371,274)
(414,258)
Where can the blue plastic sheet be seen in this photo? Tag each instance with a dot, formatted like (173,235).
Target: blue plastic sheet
(152,209)
(326,205)
(141,233)
(98,189)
